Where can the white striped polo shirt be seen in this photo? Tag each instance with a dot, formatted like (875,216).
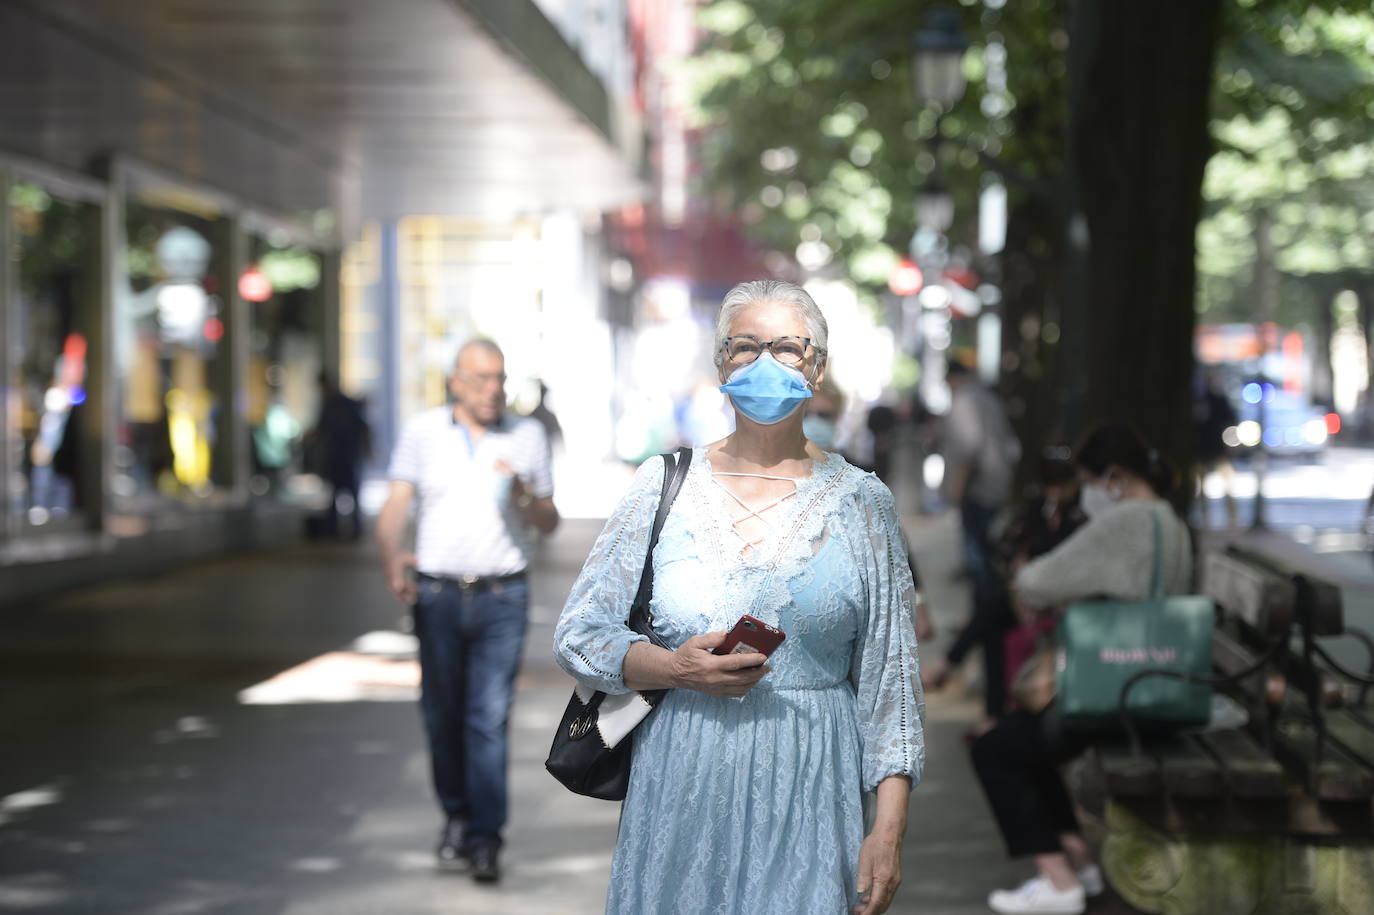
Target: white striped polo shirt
(466,523)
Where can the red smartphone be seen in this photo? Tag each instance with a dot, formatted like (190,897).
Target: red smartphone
(751,634)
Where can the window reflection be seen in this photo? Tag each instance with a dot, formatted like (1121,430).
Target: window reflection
(55,253)
(282,288)
(169,364)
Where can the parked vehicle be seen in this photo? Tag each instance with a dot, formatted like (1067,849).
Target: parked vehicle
(1284,421)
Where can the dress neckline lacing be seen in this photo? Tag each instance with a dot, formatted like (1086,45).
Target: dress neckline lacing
(751,511)
(822,470)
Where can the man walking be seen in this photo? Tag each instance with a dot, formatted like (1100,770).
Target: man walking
(480,481)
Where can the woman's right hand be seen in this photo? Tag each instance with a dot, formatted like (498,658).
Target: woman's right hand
(729,676)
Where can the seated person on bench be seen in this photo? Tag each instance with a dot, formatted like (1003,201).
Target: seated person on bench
(1124,485)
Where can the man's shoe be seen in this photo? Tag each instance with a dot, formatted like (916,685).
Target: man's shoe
(485,868)
(1091,879)
(1037,896)
(452,853)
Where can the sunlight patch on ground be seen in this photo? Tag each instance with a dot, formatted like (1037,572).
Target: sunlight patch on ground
(569,864)
(32,891)
(378,667)
(42,796)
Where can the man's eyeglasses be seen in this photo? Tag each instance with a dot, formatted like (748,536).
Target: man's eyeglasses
(496,378)
(745,348)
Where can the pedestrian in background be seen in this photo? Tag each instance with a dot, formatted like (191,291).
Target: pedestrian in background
(553,429)
(481,481)
(1046,519)
(1213,414)
(748,780)
(981,452)
(341,440)
(882,426)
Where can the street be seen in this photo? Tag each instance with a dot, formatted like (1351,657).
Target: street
(241,737)
(1318,501)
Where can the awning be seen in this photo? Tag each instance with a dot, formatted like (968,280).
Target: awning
(418,106)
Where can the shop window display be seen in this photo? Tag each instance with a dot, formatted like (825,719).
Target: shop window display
(55,251)
(170,364)
(281,286)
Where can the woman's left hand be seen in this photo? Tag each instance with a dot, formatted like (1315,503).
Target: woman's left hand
(880,872)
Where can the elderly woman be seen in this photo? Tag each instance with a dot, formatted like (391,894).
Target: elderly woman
(746,791)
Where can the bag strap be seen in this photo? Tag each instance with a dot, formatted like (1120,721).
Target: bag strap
(1157,582)
(674,473)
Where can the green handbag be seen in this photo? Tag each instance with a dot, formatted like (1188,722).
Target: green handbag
(1104,643)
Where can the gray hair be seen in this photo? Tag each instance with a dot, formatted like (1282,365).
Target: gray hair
(756,292)
(485,343)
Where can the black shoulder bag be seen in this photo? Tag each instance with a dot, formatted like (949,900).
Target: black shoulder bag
(591,750)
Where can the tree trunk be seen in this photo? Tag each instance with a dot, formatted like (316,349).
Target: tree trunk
(1140,77)
(1030,366)
(1033,259)
(1264,280)
(1364,293)
(1323,380)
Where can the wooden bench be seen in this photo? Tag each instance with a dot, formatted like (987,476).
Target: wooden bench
(1277,815)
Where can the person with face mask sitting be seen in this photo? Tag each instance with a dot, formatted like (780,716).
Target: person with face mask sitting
(1124,485)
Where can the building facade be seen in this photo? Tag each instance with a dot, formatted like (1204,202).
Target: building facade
(207,205)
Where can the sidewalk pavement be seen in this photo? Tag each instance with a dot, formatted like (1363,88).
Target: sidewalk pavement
(198,743)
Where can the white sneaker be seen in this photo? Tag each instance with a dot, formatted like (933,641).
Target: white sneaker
(1037,896)
(1091,879)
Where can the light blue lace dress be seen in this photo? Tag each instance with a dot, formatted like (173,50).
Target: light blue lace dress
(754,805)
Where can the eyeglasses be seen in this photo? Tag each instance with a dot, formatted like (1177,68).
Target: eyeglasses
(493,378)
(745,348)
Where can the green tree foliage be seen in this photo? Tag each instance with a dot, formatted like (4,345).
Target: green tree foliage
(1101,132)
(1292,101)
(815,134)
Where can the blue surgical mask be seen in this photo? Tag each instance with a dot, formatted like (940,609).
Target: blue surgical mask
(766,391)
(820,430)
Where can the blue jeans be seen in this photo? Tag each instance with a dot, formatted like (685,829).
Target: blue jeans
(976,521)
(470,645)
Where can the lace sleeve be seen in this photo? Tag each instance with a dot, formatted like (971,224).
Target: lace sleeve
(591,638)
(884,669)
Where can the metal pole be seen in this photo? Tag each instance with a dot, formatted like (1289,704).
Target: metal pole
(10,345)
(1259,522)
(107,368)
(1265,294)
(389,298)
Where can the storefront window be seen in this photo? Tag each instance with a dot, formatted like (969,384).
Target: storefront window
(56,275)
(281,286)
(171,367)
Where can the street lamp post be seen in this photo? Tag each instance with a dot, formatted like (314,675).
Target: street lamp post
(937,81)
(935,204)
(937,60)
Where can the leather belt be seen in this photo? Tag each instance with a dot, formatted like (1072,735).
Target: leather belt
(473,582)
